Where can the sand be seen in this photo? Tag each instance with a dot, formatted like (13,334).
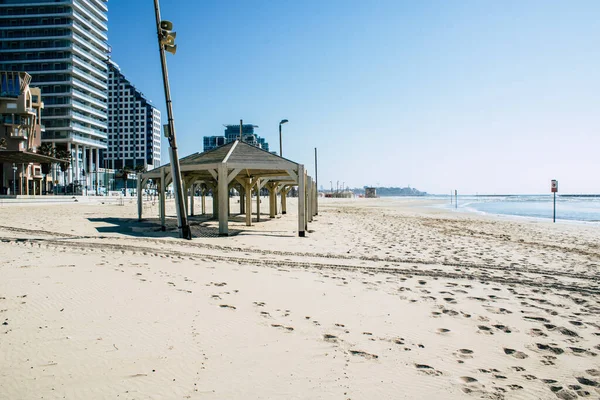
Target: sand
(384,299)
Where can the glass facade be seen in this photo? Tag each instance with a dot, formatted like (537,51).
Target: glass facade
(232,133)
(62,45)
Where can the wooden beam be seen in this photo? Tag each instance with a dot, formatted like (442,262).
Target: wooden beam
(293,175)
(214,174)
(233,174)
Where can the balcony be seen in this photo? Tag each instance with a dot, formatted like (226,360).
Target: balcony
(88,98)
(87,119)
(32,50)
(91,110)
(30,38)
(97,72)
(90,88)
(83,10)
(23,15)
(86,56)
(101,34)
(91,131)
(92,49)
(81,74)
(92,39)
(19,134)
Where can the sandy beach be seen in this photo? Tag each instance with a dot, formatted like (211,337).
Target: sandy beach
(384,299)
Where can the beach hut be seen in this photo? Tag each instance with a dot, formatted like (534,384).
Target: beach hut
(239,166)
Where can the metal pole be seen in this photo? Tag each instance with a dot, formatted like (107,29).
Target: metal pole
(316,170)
(241,123)
(554,217)
(14,179)
(184,228)
(456,199)
(280,145)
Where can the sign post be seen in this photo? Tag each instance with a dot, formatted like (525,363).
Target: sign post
(554,190)
(456,199)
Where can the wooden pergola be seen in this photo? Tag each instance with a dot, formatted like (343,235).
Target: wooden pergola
(238,166)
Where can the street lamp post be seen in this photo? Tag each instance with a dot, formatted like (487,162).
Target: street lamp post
(283,121)
(166,42)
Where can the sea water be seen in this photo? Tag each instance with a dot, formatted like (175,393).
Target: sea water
(535,206)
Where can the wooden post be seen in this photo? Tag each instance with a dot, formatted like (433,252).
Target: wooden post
(162,203)
(139,195)
(315,199)
(309,202)
(203,200)
(193,190)
(241,191)
(301,201)
(284,192)
(215,200)
(258,200)
(248,200)
(223,201)
(272,199)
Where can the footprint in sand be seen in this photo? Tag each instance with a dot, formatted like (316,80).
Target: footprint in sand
(289,328)
(503,328)
(485,329)
(330,338)
(363,354)
(547,347)
(537,332)
(426,369)
(464,353)
(515,353)
(442,331)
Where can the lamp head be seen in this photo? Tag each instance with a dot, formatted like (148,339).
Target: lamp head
(283,121)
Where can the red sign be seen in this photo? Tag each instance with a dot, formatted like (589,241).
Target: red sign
(554,187)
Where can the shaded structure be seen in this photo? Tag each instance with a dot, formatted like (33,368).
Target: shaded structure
(242,167)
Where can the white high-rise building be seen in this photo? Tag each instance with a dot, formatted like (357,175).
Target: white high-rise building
(62,45)
(134,125)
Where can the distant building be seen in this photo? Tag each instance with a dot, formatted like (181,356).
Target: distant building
(134,125)
(21,117)
(370,192)
(62,45)
(232,133)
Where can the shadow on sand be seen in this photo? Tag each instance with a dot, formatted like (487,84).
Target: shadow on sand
(202,226)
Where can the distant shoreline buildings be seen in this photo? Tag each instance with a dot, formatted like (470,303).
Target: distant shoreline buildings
(232,133)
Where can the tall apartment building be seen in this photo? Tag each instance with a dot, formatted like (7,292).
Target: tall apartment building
(62,45)
(134,125)
(232,133)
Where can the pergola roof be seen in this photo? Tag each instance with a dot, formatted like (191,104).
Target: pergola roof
(249,162)
(241,166)
(25,157)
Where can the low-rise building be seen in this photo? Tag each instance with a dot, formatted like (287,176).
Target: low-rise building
(21,131)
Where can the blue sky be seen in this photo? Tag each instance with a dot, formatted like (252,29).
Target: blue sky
(479,96)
